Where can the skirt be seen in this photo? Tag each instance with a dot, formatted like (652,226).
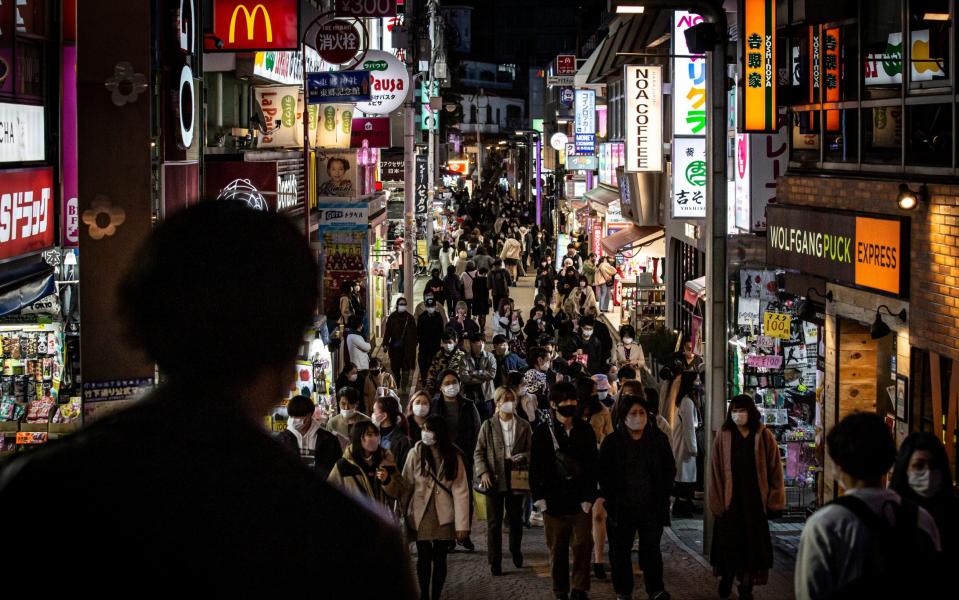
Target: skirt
(430,528)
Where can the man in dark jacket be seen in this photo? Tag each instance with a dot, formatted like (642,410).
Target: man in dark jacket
(587,343)
(399,339)
(184,488)
(304,437)
(499,283)
(636,473)
(562,478)
(601,333)
(429,332)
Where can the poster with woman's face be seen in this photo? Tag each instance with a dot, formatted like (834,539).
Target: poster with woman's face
(337,175)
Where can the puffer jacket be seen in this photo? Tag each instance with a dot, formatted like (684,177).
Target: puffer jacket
(349,476)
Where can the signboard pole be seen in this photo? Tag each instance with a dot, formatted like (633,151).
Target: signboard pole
(409,188)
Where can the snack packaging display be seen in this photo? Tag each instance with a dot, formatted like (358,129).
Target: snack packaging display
(47,369)
(39,411)
(11,346)
(51,343)
(41,344)
(69,412)
(19,387)
(10,410)
(24,341)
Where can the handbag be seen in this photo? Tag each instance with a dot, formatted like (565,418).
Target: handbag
(518,478)
(397,343)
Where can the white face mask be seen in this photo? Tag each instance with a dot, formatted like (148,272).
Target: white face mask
(602,395)
(430,309)
(635,423)
(924,482)
(351,377)
(298,422)
(347,413)
(421,410)
(514,327)
(627,341)
(740,418)
(429,438)
(449,347)
(451,390)
(587,333)
(378,419)
(401,308)
(506,408)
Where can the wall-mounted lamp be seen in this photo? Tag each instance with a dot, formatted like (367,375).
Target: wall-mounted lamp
(879,328)
(908,199)
(807,313)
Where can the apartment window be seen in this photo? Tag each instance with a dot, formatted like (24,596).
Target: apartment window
(617,110)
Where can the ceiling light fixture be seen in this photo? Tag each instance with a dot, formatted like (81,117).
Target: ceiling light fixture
(630,9)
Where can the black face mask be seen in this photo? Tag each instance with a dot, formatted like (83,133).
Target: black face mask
(567,411)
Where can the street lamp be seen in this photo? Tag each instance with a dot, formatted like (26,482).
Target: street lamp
(481,101)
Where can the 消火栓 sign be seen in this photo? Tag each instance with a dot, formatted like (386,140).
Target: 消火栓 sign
(866,251)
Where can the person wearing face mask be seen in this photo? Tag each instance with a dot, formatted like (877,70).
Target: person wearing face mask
(605,280)
(538,325)
(454,289)
(502,317)
(581,299)
(399,339)
(378,380)
(367,471)
(416,412)
(525,402)
(574,257)
(636,472)
(922,475)
(545,283)
(506,361)
(601,333)
(568,283)
(477,374)
(684,420)
(629,352)
(437,503)
(350,303)
(869,542)
(563,477)
(461,324)
(746,487)
(462,420)
(537,379)
(349,401)
(317,448)
(514,333)
(594,412)
(588,345)
(449,357)
(358,349)
(502,446)
(394,431)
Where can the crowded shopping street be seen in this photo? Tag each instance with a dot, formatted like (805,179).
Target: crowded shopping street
(436,300)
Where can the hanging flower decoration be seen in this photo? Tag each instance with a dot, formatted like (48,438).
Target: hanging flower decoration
(103,218)
(126,85)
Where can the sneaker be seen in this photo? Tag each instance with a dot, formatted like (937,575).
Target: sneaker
(468,544)
(663,595)
(599,570)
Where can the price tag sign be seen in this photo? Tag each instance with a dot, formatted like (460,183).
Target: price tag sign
(777,325)
(31,437)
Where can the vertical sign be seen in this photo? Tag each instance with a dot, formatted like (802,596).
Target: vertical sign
(831,74)
(689,177)
(644,118)
(689,80)
(585,129)
(566,64)
(422,184)
(759,65)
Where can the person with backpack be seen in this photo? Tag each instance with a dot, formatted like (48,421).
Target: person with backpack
(499,282)
(466,281)
(869,542)
(453,289)
(746,487)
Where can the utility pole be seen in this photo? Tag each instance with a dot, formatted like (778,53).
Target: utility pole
(409,162)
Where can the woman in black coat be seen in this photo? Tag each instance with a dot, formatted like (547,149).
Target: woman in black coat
(481,301)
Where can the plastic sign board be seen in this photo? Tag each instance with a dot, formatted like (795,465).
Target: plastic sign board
(689,178)
(866,251)
(585,126)
(644,118)
(558,141)
(338,86)
(566,64)
(758,41)
(777,325)
(560,80)
(247,25)
(581,162)
(689,80)
(389,82)
(26,211)
(460,167)
(374,131)
(364,8)
(21,133)
(339,41)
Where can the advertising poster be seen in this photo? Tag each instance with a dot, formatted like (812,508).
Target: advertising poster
(282,106)
(334,125)
(337,174)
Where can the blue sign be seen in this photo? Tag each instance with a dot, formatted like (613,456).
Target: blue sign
(585,143)
(338,86)
(566,97)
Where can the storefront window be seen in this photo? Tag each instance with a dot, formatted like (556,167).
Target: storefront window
(930,135)
(882,134)
(29,76)
(841,135)
(930,25)
(804,137)
(882,50)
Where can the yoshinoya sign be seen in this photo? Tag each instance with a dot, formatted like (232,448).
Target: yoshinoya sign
(758,111)
(21,133)
(247,25)
(644,118)
(389,82)
(866,251)
(26,211)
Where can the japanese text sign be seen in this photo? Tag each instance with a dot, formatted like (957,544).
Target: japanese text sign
(338,86)
(566,64)
(759,65)
(777,325)
(338,42)
(689,177)
(26,211)
(585,125)
(365,8)
(689,80)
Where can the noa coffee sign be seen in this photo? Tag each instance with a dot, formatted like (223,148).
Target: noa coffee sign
(389,83)
(865,251)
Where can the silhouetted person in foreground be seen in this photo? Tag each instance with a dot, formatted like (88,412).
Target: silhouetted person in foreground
(186,489)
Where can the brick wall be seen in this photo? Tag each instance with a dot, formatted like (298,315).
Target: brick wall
(934,283)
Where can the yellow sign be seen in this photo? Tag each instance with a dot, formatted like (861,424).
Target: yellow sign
(777,325)
(250,22)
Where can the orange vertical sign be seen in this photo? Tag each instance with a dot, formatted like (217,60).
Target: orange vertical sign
(832,74)
(759,66)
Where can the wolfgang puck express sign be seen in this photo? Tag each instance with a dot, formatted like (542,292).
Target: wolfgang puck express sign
(867,251)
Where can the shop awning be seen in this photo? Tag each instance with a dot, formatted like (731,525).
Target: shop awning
(17,294)
(578,204)
(628,237)
(628,35)
(603,194)
(695,290)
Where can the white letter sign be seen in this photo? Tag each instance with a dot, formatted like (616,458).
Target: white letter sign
(644,118)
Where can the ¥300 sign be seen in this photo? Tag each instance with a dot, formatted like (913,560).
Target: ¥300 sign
(866,251)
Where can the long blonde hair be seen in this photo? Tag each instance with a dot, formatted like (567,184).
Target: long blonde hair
(502,391)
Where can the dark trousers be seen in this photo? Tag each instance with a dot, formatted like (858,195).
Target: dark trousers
(496,302)
(451,306)
(425,359)
(469,309)
(622,530)
(431,565)
(494,523)
(563,532)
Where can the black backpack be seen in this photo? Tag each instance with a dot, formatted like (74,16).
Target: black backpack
(499,283)
(901,560)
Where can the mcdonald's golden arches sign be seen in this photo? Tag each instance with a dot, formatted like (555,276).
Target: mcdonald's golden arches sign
(248,25)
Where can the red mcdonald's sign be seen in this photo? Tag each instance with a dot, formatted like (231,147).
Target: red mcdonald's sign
(248,25)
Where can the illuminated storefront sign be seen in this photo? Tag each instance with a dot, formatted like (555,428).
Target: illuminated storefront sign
(254,25)
(759,66)
(644,118)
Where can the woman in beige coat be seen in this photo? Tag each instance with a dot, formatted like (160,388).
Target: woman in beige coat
(503,445)
(438,503)
(745,487)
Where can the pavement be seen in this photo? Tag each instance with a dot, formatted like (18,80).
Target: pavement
(687,572)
